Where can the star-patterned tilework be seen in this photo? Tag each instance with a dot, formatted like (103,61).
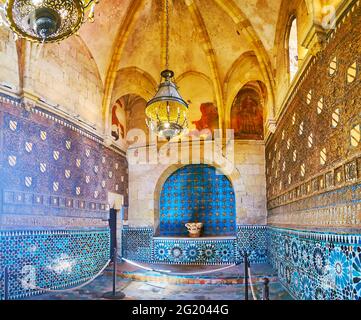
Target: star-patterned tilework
(317,265)
(57,259)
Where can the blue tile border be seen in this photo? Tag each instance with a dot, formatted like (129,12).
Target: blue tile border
(310,265)
(139,244)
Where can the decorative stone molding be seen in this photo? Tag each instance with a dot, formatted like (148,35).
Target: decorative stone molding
(315,40)
(271,125)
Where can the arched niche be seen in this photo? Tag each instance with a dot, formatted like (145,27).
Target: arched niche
(247,66)
(208,180)
(247,112)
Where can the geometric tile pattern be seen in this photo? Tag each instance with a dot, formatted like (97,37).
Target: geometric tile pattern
(338,207)
(137,243)
(193,252)
(197,193)
(253,240)
(316,265)
(52,259)
(140,245)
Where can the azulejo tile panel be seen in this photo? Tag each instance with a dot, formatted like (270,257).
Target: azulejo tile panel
(253,240)
(140,245)
(317,266)
(50,259)
(53,173)
(191,251)
(137,244)
(197,193)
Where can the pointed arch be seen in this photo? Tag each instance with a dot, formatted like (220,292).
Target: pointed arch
(211,56)
(118,47)
(245,26)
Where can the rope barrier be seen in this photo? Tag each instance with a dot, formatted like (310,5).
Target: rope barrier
(75,288)
(251,284)
(164,272)
(168,272)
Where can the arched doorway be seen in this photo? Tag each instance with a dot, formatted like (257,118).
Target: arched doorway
(197,193)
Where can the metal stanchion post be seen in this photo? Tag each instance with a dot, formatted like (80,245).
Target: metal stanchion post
(6,282)
(265,289)
(114,294)
(246,275)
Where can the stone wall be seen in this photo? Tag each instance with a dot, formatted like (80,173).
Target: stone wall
(55,259)
(313,159)
(8,60)
(314,174)
(63,75)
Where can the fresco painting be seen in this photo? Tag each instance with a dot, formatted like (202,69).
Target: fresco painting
(118,120)
(209,119)
(247,115)
(207,123)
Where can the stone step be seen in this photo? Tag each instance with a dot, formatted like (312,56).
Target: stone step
(230,276)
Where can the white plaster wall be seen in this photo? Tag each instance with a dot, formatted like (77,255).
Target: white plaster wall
(248,178)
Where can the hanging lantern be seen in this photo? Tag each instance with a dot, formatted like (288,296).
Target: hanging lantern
(47,20)
(167,112)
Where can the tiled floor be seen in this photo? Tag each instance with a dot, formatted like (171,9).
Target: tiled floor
(161,290)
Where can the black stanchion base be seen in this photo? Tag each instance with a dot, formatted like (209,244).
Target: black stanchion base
(119,295)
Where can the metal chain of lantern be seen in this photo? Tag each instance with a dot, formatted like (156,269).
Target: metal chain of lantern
(167,35)
(47,20)
(167,113)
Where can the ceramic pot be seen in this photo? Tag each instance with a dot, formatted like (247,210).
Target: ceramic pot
(194,229)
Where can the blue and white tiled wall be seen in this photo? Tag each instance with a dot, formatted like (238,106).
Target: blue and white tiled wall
(41,153)
(50,259)
(316,265)
(54,174)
